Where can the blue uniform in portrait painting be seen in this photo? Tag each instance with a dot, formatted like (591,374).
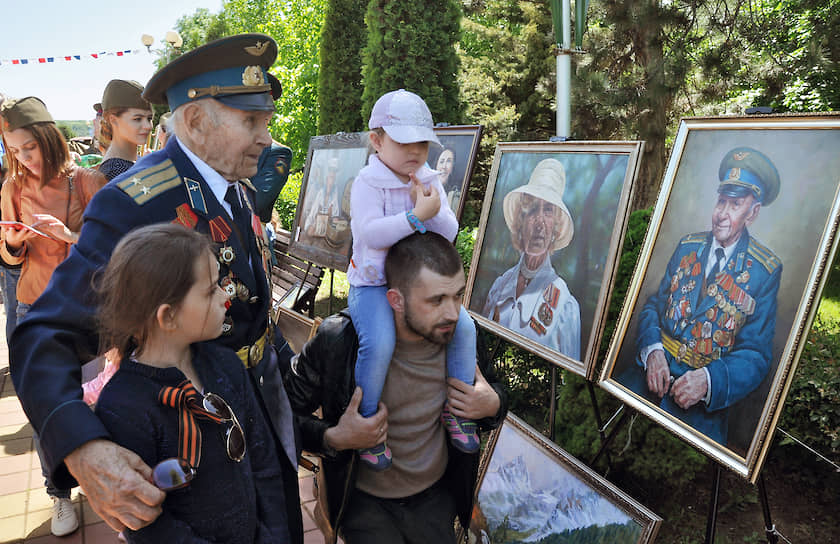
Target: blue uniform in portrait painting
(725,326)
(713,315)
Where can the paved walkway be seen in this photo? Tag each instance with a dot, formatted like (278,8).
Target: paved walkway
(25,508)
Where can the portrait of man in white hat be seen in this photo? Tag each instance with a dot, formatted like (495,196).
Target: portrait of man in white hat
(530,298)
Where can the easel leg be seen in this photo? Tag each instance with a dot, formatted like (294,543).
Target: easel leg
(552,403)
(329,311)
(606,442)
(769,528)
(598,420)
(713,508)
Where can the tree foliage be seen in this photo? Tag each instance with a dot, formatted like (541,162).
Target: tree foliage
(410,45)
(340,79)
(296,26)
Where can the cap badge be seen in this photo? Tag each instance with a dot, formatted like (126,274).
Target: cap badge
(735,173)
(253,76)
(258,49)
(740,156)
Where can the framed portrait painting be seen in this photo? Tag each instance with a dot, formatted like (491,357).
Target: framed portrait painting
(455,160)
(547,247)
(728,279)
(321,229)
(530,490)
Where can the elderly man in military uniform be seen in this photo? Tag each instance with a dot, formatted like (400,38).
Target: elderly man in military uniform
(705,337)
(222,99)
(530,298)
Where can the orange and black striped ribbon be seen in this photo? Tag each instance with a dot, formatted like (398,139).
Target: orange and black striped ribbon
(187,400)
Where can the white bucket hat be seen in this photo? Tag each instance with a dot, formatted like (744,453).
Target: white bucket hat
(404,117)
(547,182)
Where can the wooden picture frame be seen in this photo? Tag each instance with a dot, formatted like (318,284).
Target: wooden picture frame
(321,229)
(559,310)
(295,327)
(529,489)
(729,335)
(455,160)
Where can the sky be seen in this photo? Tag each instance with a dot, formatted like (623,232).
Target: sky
(51,28)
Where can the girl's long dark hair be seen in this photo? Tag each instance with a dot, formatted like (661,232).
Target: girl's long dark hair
(150,266)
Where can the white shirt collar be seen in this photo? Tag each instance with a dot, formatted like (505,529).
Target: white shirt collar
(218,185)
(727,253)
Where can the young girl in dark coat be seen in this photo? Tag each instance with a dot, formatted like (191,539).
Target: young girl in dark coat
(186,406)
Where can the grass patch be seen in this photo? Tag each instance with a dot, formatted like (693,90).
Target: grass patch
(326,305)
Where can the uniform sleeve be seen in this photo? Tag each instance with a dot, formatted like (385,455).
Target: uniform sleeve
(740,370)
(371,226)
(59,334)
(9,211)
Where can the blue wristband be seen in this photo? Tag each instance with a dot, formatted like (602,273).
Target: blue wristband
(416,223)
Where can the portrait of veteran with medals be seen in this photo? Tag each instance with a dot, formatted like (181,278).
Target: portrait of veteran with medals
(222,99)
(705,336)
(531,298)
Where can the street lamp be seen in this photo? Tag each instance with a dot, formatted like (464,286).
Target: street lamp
(147,41)
(172,38)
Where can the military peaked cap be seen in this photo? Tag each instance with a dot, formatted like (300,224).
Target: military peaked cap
(233,70)
(746,171)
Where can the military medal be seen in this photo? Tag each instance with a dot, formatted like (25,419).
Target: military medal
(707,329)
(710,314)
(545,314)
(226,254)
(227,285)
(744,277)
(219,230)
(712,290)
(537,326)
(242,291)
(185,216)
(716,353)
(227,326)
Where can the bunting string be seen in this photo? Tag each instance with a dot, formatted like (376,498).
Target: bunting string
(68,58)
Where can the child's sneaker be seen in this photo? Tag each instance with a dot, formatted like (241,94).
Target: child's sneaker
(463,433)
(377,458)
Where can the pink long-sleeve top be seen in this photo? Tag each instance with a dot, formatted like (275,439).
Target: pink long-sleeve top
(378,202)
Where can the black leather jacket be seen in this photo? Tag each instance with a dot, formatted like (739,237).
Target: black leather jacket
(322,376)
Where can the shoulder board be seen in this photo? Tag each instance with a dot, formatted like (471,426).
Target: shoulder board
(247,183)
(696,238)
(764,255)
(149,183)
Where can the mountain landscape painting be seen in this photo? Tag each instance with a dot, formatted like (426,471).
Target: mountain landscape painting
(533,492)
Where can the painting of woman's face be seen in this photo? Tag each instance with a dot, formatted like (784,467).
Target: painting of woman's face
(445,163)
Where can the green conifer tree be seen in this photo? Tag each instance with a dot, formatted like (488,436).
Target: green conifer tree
(340,77)
(411,45)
